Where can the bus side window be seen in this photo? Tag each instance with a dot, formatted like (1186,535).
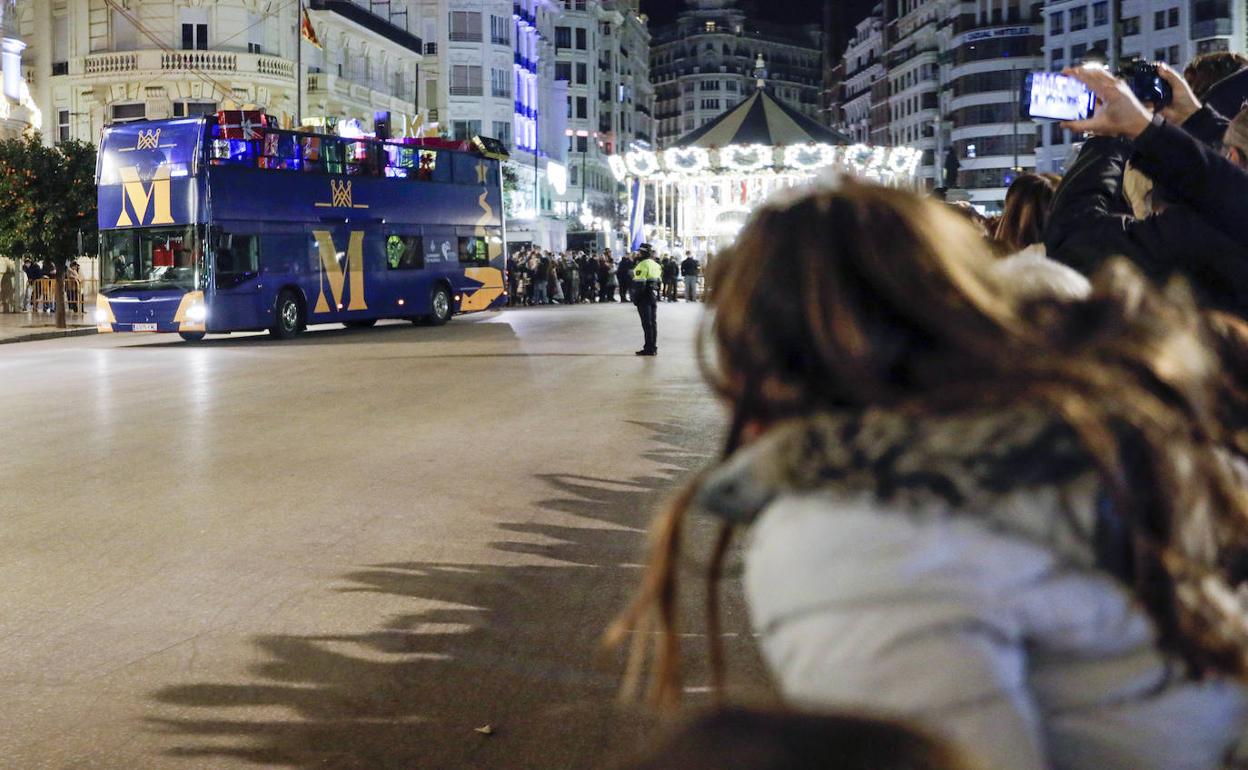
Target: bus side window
(237,258)
(473,251)
(405,252)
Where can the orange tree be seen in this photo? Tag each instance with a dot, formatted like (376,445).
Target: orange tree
(49,203)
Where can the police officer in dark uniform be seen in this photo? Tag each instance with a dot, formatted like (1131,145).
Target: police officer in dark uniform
(647,278)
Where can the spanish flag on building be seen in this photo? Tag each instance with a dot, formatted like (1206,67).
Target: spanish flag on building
(305,28)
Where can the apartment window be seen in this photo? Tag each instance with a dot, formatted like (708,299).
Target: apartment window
(500,83)
(1057,58)
(710,104)
(1077,51)
(194,37)
(1131,25)
(582,143)
(466,26)
(62,126)
(60,44)
(563,71)
(688,105)
(466,129)
(1159,54)
(563,37)
(1159,20)
(709,85)
(500,30)
(1057,23)
(502,131)
(188,109)
(1173,16)
(582,39)
(1102,46)
(1100,13)
(1078,18)
(125,113)
(582,73)
(582,107)
(731,86)
(1172,54)
(466,80)
(255,48)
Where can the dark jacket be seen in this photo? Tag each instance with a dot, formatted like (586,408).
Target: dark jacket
(625,271)
(1197,174)
(1089,223)
(543,269)
(689,268)
(1227,96)
(671,270)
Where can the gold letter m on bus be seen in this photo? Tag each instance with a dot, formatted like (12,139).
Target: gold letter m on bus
(335,271)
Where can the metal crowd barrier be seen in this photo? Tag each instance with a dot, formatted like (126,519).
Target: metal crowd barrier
(43,296)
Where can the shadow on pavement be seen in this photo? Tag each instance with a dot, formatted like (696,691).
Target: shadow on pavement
(515,647)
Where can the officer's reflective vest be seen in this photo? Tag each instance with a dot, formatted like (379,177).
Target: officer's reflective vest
(647,270)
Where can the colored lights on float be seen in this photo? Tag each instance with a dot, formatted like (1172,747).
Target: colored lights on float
(750,159)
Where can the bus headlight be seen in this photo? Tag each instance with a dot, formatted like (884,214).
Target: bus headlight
(101,315)
(197,313)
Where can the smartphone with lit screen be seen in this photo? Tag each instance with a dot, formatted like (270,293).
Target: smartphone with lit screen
(1053,96)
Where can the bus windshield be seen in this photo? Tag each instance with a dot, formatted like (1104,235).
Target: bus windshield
(151,258)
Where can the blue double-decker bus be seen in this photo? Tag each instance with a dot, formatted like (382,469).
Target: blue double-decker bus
(207,227)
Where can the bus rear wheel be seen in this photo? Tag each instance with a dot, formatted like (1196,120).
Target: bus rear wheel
(439,306)
(191,336)
(288,320)
(360,323)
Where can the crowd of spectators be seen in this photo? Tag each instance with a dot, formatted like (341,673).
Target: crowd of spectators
(994,470)
(537,277)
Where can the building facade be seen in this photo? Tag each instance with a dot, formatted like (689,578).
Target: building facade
(704,64)
(18,113)
(1173,31)
(993,44)
(912,44)
(92,63)
(863,68)
(601,52)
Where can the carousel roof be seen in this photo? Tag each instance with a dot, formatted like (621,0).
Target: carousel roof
(761,119)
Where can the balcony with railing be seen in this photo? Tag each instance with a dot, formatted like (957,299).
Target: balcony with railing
(130,63)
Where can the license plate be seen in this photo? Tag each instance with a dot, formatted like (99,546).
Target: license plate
(143,328)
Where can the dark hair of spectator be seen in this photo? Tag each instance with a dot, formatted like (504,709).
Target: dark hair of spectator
(896,307)
(1026,212)
(1208,68)
(742,739)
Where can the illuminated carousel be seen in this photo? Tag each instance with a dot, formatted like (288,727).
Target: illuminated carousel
(703,188)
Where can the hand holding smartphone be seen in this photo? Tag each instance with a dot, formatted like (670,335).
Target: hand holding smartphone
(1052,96)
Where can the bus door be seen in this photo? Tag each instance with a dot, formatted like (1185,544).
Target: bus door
(236,280)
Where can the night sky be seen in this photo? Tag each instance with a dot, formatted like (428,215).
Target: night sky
(786,11)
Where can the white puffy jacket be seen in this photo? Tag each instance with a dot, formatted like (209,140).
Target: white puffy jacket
(995,628)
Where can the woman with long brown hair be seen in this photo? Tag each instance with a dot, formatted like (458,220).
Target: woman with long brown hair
(1009,520)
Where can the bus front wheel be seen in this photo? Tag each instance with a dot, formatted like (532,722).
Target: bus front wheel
(288,321)
(440,306)
(191,336)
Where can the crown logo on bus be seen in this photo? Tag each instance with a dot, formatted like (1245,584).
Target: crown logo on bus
(340,193)
(340,196)
(149,140)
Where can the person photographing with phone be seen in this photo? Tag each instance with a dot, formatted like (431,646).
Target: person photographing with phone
(1151,144)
